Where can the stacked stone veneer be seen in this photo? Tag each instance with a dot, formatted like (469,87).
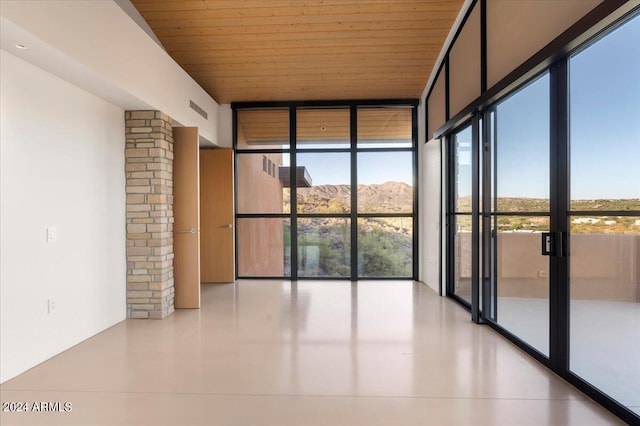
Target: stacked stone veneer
(149,173)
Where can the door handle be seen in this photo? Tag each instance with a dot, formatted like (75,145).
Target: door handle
(547,244)
(552,244)
(229,225)
(190,231)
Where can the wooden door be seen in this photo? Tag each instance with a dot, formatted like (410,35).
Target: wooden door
(216,212)
(186,212)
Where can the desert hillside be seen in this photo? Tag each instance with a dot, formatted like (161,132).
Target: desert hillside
(384,244)
(389,197)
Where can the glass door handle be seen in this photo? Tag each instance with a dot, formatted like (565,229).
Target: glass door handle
(552,244)
(547,244)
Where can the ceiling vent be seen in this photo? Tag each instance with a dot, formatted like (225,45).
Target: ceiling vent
(194,106)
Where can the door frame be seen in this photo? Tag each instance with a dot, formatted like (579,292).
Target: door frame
(559,175)
(451,213)
(186,211)
(483,280)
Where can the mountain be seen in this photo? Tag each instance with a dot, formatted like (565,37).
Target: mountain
(524,204)
(389,197)
(384,243)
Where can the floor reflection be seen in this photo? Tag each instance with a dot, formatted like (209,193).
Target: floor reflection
(311,352)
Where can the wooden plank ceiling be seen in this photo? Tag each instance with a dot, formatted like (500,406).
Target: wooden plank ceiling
(279,50)
(263,127)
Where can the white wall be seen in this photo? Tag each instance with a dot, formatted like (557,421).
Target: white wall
(225,126)
(430,214)
(62,165)
(430,193)
(95,45)
(429,174)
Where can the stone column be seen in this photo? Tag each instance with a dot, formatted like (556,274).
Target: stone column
(149,173)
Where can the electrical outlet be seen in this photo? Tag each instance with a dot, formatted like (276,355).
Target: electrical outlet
(51,306)
(52,234)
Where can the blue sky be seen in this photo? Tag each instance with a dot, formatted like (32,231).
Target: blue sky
(335,168)
(605,116)
(604,126)
(523,142)
(605,132)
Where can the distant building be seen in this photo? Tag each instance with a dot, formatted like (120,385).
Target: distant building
(589,220)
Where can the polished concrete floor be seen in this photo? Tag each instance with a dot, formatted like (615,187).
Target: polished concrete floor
(605,340)
(311,353)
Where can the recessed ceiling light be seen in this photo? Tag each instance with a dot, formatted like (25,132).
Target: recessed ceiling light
(21,46)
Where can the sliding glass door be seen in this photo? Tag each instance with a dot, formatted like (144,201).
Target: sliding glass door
(520,210)
(460,215)
(604,214)
(552,169)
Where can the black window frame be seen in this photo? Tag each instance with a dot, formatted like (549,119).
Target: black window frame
(353,150)
(553,58)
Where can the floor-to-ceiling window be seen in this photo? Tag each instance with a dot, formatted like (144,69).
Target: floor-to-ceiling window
(263,225)
(604,214)
(561,196)
(323,201)
(520,211)
(326,190)
(385,191)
